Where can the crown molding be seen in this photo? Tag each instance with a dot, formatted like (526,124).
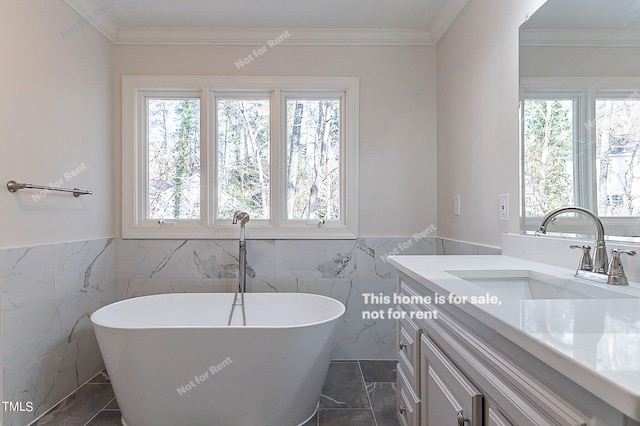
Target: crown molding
(579,38)
(447,14)
(260,36)
(96,16)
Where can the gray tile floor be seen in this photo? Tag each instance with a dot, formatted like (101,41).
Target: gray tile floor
(356,393)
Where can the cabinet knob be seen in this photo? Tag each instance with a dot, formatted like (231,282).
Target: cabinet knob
(402,346)
(461,419)
(402,410)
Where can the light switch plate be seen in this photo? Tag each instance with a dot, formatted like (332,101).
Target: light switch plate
(504,207)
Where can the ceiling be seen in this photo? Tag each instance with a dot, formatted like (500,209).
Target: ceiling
(377,22)
(595,23)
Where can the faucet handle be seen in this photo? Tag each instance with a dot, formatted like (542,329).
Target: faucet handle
(619,252)
(616,271)
(586,264)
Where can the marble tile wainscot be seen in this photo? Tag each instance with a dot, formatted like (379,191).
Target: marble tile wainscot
(342,269)
(48,295)
(449,247)
(49,292)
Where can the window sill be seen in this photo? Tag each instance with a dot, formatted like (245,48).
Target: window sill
(233,233)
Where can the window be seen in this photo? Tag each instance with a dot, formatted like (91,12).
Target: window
(283,149)
(313,158)
(549,134)
(581,147)
(617,155)
(173,166)
(243,149)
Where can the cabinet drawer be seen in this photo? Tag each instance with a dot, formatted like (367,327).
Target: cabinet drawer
(448,396)
(409,349)
(408,402)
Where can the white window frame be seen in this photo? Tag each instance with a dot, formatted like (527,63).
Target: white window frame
(134,159)
(584,91)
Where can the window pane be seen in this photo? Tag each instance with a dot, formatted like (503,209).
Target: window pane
(548,155)
(173,135)
(313,159)
(243,157)
(618,156)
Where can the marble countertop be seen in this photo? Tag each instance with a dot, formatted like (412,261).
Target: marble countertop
(594,342)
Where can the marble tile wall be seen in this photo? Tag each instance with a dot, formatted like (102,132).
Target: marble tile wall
(49,292)
(342,269)
(453,247)
(48,295)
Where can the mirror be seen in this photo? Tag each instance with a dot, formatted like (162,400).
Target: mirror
(580,115)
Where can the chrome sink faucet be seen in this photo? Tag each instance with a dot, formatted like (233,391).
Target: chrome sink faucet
(599,265)
(596,269)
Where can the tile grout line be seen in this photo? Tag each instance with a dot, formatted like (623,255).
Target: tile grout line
(55,406)
(101,409)
(366,391)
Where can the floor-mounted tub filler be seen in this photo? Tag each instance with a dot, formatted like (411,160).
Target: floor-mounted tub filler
(173,360)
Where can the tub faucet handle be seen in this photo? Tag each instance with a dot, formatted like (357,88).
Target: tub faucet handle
(586,263)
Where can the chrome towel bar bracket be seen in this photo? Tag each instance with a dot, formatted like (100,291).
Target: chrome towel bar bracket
(14,186)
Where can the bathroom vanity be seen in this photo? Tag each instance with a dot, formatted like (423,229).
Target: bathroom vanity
(496,340)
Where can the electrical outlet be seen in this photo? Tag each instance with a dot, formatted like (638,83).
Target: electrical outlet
(456,205)
(504,207)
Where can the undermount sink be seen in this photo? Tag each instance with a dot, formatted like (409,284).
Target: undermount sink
(526,284)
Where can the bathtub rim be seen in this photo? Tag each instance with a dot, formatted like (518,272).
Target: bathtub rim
(216,327)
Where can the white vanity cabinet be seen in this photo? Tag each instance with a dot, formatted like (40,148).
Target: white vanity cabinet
(450,374)
(474,352)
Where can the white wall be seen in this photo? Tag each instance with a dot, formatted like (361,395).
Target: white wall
(56,118)
(56,121)
(477,106)
(573,61)
(397,115)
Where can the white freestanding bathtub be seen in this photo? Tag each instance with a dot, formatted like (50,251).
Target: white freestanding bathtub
(173,360)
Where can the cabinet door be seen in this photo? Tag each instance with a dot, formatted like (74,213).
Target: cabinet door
(448,396)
